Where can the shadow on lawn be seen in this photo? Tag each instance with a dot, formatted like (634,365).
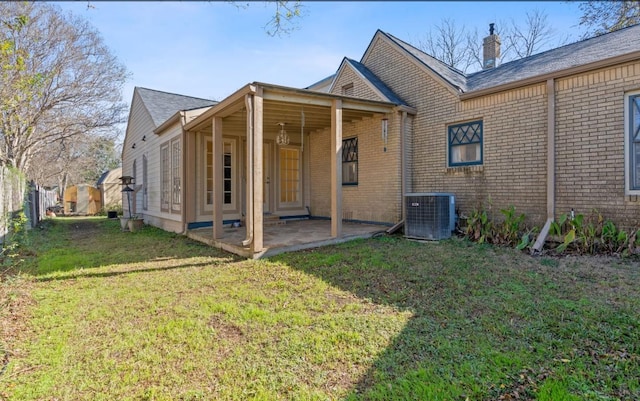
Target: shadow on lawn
(71,244)
(477,326)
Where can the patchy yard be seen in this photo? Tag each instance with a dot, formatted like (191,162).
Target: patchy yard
(102,315)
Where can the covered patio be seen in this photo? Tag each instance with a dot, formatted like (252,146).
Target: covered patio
(254,113)
(289,237)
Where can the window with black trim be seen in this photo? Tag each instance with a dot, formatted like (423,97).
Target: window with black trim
(465,143)
(350,161)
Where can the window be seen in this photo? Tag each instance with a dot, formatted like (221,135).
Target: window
(350,161)
(145,192)
(290,176)
(465,144)
(176,189)
(228,172)
(171,178)
(135,177)
(632,143)
(347,90)
(166,180)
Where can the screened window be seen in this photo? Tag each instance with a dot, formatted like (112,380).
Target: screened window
(289,176)
(465,143)
(633,141)
(350,161)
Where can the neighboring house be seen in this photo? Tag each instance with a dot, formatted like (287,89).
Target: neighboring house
(548,133)
(110,187)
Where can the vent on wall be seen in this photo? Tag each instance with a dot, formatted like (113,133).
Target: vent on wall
(430,216)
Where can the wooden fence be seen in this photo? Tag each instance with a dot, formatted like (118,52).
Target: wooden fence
(19,196)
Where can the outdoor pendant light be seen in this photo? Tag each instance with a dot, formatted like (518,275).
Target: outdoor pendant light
(282,139)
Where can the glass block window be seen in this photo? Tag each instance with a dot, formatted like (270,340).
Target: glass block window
(350,161)
(634,141)
(465,143)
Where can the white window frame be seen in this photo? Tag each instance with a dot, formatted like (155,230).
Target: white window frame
(165,177)
(628,147)
(176,175)
(208,206)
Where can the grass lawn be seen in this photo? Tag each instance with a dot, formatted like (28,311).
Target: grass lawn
(98,314)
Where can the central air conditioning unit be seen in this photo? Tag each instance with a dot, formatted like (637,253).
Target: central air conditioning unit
(430,216)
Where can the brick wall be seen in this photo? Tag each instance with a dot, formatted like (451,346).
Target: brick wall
(514,169)
(590,143)
(360,88)
(377,195)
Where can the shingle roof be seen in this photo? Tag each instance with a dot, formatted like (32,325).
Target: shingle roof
(375,81)
(618,43)
(162,105)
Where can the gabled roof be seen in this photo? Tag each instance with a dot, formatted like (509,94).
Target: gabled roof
(610,46)
(375,82)
(453,76)
(162,105)
(322,84)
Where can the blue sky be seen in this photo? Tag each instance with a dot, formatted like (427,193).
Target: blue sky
(211,49)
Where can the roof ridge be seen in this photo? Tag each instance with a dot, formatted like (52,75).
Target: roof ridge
(174,94)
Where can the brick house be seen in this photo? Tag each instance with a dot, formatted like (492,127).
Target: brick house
(548,133)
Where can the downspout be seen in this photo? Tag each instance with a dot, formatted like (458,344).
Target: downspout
(249,205)
(184,149)
(551,166)
(403,165)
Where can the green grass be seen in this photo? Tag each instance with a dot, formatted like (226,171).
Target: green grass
(154,316)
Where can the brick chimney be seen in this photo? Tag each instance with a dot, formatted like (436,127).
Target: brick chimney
(490,49)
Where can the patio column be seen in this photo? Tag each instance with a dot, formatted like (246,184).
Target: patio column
(336,168)
(218,178)
(257,176)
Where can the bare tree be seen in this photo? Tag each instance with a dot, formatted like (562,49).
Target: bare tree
(58,81)
(462,49)
(284,18)
(530,38)
(447,44)
(607,16)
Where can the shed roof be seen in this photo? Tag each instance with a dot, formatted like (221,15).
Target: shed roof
(163,105)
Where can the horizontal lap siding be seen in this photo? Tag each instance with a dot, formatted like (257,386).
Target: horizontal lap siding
(590,143)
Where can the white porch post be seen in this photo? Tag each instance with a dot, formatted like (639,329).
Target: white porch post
(257,176)
(217,175)
(336,168)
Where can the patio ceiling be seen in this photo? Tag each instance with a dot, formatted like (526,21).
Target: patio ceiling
(282,104)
